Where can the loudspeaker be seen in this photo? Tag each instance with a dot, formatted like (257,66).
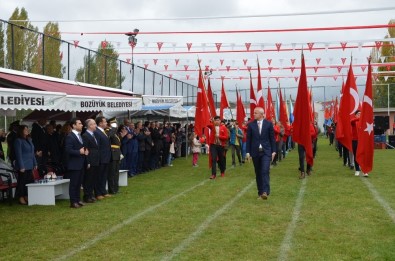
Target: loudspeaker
(382,122)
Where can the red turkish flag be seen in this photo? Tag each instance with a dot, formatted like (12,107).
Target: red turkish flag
(335,110)
(240,111)
(365,150)
(349,103)
(248,45)
(210,97)
(283,117)
(253,102)
(224,102)
(189,45)
(259,94)
(301,125)
(177,61)
(76,43)
(270,113)
(218,45)
(221,61)
(202,114)
(160,44)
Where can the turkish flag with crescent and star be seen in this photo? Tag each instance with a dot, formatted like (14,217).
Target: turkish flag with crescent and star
(349,104)
(365,150)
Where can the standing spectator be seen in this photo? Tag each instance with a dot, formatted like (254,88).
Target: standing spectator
(25,162)
(105,157)
(92,160)
(236,134)
(130,150)
(262,148)
(12,135)
(148,148)
(243,142)
(218,139)
(39,138)
(167,130)
(2,139)
(53,147)
(196,147)
(76,153)
(172,150)
(156,149)
(115,134)
(276,129)
(141,149)
(180,136)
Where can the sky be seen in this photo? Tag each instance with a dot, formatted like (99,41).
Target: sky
(324,88)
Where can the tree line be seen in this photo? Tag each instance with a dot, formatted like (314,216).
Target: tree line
(23,48)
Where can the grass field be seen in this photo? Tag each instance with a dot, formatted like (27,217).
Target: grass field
(177,213)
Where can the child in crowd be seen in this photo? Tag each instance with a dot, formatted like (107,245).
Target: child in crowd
(172,150)
(196,146)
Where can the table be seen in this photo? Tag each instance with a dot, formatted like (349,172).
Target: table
(45,193)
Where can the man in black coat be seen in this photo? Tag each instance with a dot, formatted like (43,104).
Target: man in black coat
(105,157)
(76,153)
(92,160)
(39,138)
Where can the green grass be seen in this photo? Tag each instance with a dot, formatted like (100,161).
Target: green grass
(339,219)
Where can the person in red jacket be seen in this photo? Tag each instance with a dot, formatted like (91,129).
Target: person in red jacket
(218,138)
(277,131)
(354,131)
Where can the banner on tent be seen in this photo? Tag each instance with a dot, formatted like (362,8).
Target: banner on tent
(162,100)
(78,103)
(34,100)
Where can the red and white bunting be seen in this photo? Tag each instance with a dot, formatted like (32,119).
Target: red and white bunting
(132,44)
(376,77)
(228,68)
(222,77)
(207,68)
(218,45)
(296,79)
(343,45)
(240,78)
(278,46)
(155,61)
(170,75)
(339,68)
(343,60)
(318,60)
(293,61)
(335,78)
(249,68)
(128,60)
(186,67)
(270,69)
(189,45)
(199,61)
(292,69)
(221,61)
(76,43)
(378,44)
(356,77)
(177,61)
(245,61)
(146,65)
(315,69)
(363,67)
(315,78)
(248,45)
(385,78)
(269,61)
(103,44)
(277,78)
(388,67)
(160,44)
(166,66)
(187,76)
(310,45)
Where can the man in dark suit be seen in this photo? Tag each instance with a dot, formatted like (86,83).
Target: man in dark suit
(92,160)
(40,140)
(105,157)
(76,153)
(261,146)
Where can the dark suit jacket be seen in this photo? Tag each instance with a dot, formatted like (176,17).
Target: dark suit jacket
(104,146)
(266,138)
(39,137)
(75,161)
(115,141)
(24,154)
(89,142)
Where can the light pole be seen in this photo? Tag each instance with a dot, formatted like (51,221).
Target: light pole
(132,42)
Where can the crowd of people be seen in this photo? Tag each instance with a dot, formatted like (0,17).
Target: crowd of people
(92,152)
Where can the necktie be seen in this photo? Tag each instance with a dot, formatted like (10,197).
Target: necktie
(93,135)
(80,138)
(259,126)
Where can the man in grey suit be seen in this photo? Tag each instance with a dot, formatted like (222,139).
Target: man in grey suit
(261,146)
(92,160)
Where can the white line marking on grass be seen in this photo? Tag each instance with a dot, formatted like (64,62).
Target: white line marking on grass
(186,242)
(287,241)
(379,199)
(117,227)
